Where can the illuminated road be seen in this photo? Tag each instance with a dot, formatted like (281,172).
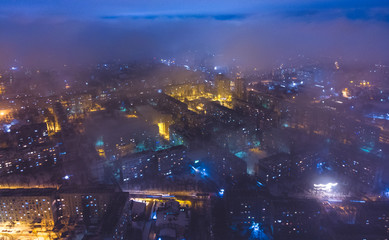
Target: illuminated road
(199,201)
(165,195)
(150,208)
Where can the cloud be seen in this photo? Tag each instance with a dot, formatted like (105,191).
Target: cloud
(221,17)
(255,34)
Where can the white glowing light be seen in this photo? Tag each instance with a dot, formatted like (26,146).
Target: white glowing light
(325,187)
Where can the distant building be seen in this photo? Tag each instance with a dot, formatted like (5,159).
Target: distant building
(31,207)
(218,164)
(296,219)
(371,222)
(164,162)
(89,204)
(240,90)
(223,87)
(27,159)
(31,135)
(274,168)
(67,211)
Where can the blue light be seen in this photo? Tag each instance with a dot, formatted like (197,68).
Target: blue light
(255,227)
(365,150)
(381,116)
(386,193)
(221,192)
(257,231)
(259,184)
(357,201)
(204,173)
(195,169)
(99,142)
(241,154)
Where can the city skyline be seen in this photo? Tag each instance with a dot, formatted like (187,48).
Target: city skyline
(194,120)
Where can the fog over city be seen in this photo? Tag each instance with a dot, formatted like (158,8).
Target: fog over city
(254,32)
(194,120)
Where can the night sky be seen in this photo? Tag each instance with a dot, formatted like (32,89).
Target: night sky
(50,32)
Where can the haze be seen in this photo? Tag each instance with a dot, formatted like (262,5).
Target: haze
(259,33)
